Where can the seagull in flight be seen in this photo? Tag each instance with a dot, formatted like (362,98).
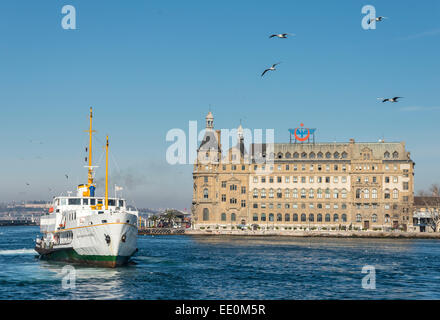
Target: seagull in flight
(271,68)
(377,19)
(67,177)
(281,35)
(389,99)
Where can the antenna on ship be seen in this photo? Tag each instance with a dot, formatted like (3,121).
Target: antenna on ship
(106,175)
(90,186)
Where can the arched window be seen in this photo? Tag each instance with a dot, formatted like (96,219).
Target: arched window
(303,193)
(319,193)
(233,217)
(288,155)
(335,217)
(387,194)
(374,193)
(255,193)
(319,217)
(295,193)
(358,193)
(205,214)
(205,193)
(320,155)
(344,193)
(280,155)
(311,193)
(270,216)
(287,217)
(263,193)
(395,155)
(327,217)
(295,155)
(255,217)
(312,155)
(395,194)
(279,193)
(303,217)
(327,193)
(344,155)
(223,216)
(344,217)
(303,155)
(328,155)
(263,217)
(335,193)
(279,217)
(311,217)
(287,193)
(336,155)
(295,217)
(358,218)
(374,217)
(366,194)
(386,155)
(387,218)
(270,193)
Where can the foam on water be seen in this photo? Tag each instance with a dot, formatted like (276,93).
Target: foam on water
(17,252)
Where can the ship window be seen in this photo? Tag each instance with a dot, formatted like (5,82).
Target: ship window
(121,203)
(111,202)
(92,202)
(74,201)
(99,201)
(63,201)
(85,202)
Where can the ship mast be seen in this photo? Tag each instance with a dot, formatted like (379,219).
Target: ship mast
(90,131)
(106,175)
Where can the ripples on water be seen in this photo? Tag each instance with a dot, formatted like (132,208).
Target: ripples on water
(181,267)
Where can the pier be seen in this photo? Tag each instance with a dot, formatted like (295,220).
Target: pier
(17,222)
(161,231)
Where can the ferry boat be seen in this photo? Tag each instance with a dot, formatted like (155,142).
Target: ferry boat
(89,229)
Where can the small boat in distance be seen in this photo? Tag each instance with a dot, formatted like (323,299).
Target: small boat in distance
(86,228)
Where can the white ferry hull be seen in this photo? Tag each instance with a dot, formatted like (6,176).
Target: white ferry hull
(108,239)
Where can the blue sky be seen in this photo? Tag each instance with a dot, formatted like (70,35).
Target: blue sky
(150,66)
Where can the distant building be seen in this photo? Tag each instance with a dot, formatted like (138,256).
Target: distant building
(302,185)
(426,215)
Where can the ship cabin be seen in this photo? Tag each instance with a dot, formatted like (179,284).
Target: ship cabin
(61,204)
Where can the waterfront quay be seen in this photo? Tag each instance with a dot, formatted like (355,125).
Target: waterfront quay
(323,234)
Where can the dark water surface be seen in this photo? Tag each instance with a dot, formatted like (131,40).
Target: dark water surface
(183,267)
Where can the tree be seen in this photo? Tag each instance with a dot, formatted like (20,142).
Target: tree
(431,201)
(154,219)
(170,215)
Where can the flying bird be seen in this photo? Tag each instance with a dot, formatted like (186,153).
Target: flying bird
(271,68)
(67,177)
(377,19)
(389,99)
(281,35)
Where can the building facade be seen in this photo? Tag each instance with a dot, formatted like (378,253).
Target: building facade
(308,186)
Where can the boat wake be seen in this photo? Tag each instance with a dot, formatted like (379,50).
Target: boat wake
(17,252)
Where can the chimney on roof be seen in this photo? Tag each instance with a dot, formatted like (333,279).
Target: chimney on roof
(351,140)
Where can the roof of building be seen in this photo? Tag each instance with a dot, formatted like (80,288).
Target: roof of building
(379,150)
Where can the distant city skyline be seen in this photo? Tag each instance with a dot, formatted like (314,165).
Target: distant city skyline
(149,67)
